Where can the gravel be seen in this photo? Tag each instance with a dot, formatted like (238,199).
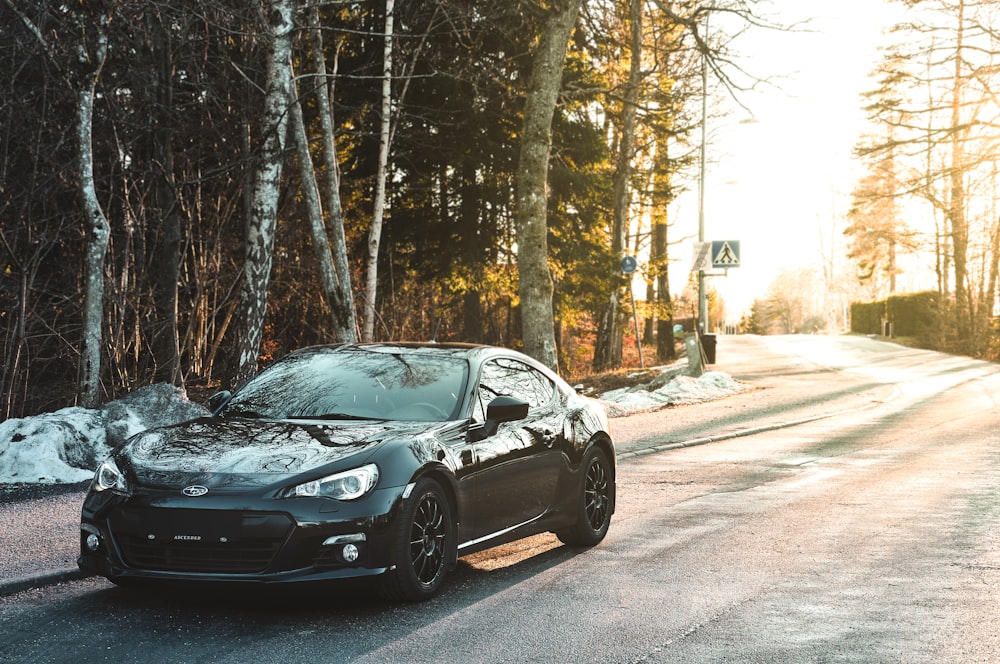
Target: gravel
(39,526)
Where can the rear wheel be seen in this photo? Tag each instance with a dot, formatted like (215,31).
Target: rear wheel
(422,547)
(593,503)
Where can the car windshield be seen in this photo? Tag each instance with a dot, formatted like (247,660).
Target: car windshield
(355,383)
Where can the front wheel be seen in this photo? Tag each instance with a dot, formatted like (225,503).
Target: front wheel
(422,546)
(594,502)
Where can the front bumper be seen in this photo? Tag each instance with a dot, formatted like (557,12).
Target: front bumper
(236,539)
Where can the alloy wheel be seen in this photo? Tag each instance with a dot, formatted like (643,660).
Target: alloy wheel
(427,539)
(596,494)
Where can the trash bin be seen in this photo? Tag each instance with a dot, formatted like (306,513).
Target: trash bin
(708,347)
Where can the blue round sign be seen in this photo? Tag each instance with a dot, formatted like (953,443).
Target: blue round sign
(629,264)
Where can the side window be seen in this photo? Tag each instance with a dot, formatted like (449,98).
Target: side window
(513,378)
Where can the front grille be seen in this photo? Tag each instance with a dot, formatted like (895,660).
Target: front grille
(245,557)
(201,541)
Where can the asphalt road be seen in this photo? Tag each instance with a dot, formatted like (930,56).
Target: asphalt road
(844,510)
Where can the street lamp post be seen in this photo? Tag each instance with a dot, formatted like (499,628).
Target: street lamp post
(702,299)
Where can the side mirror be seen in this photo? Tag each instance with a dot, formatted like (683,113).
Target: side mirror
(503,409)
(506,409)
(218,401)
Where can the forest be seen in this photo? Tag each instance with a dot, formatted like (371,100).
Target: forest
(190,189)
(193,188)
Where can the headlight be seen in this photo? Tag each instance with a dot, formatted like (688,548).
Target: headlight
(348,485)
(109,478)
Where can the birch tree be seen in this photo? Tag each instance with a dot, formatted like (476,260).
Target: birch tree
(262,220)
(333,290)
(90,60)
(375,231)
(331,182)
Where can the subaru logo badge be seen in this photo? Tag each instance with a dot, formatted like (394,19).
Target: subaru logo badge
(195,490)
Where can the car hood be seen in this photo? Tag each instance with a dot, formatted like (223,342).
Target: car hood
(244,453)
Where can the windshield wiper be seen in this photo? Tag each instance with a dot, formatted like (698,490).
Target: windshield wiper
(253,414)
(336,416)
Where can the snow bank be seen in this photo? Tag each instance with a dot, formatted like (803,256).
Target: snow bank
(65,446)
(677,390)
(54,447)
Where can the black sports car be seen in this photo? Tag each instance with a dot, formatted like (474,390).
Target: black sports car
(382,460)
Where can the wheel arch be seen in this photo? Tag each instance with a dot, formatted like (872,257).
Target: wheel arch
(602,440)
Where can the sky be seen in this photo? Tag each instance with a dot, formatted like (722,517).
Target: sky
(779,177)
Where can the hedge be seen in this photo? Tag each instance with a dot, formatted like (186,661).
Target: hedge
(912,315)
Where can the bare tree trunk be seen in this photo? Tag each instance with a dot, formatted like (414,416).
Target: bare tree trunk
(335,212)
(472,251)
(375,232)
(956,207)
(262,220)
(535,281)
(166,345)
(659,251)
(989,297)
(665,350)
(608,346)
(342,323)
(98,229)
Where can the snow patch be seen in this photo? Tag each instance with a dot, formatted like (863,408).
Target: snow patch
(676,391)
(52,448)
(65,446)
(148,407)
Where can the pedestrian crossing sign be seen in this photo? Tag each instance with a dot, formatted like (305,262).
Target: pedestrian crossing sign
(725,253)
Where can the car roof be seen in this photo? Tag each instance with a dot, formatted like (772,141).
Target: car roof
(457,349)
(468,351)
(473,353)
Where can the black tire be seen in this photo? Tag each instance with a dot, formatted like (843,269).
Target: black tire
(422,547)
(594,503)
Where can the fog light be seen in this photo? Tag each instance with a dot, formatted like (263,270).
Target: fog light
(93,542)
(349,553)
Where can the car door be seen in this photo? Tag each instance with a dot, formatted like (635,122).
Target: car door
(517,469)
